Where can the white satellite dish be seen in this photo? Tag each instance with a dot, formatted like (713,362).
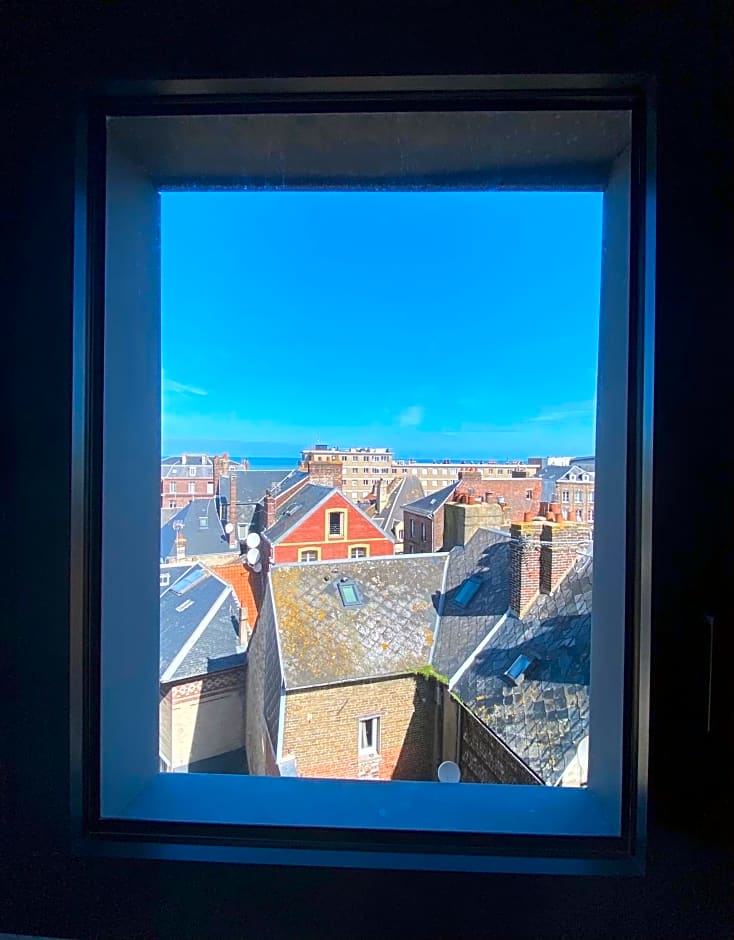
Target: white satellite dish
(229,528)
(252,540)
(257,568)
(253,556)
(449,772)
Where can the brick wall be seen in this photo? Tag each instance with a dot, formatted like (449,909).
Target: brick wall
(434,532)
(461,521)
(322,727)
(514,492)
(524,565)
(207,717)
(559,550)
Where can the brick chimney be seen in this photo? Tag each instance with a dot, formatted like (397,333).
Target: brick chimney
(180,546)
(220,464)
(270,506)
(524,565)
(559,550)
(469,480)
(326,472)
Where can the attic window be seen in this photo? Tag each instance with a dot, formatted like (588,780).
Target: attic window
(165,579)
(467,591)
(203,522)
(350,594)
(516,672)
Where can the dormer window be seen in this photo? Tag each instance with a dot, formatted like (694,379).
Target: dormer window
(349,593)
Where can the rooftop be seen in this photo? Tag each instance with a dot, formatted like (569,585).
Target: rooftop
(427,505)
(202,529)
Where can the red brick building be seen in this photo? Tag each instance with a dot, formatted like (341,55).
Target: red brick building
(318,523)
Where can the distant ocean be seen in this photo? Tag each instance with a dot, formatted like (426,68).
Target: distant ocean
(273,463)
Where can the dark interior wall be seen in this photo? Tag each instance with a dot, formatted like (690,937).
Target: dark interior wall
(45,47)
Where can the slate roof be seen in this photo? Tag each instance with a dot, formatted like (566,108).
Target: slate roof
(544,719)
(462,629)
(199,627)
(210,540)
(321,641)
(250,489)
(551,476)
(429,504)
(408,490)
(174,572)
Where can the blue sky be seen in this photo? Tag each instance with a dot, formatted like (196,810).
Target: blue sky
(459,325)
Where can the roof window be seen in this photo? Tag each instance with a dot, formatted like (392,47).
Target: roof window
(349,593)
(467,591)
(515,674)
(189,580)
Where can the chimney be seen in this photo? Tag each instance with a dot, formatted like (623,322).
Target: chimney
(180,546)
(326,472)
(269,509)
(183,459)
(524,565)
(383,491)
(232,506)
(470,479)
(559,550)
(220,464)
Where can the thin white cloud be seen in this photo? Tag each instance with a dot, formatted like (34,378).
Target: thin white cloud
(411,417)
(179,388)
(585,410)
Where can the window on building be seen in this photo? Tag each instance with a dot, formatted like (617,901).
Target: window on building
(591,515)
(349,592)
(591,496)
(192,471)
(192,488)
(423,531)
(579,496)
(369,736)
(203,522)
(165,579)
(528,494)
(358,551)
(308,554)
(171,487)
(579,515)
(210,489)
(336,523)
(412,528)
(565,496)
(241,531)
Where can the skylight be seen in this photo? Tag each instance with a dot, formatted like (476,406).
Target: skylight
(465,594)
(189,580)
(350,593)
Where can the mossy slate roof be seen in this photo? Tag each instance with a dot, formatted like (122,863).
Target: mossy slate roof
(391,633)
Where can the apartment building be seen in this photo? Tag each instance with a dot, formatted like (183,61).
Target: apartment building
(364,467)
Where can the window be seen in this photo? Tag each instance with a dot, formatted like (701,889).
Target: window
(412,528)
(192,471)
(337,520)
(591,496)
(465,594)
(210,489)
(579,515)
(359,551)
(241,531)
(309,554)
(528,494)
(565,496)
(579,496)
(591,515)
(349,592)
(203,522)
(165,579)
(369,736)
(171,487)
(423,531)
(192,488)
(120,727)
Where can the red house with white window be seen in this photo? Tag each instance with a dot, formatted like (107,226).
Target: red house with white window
(319,523)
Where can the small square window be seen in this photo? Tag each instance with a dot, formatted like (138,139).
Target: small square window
(165,579)
(203,522)
(369,736)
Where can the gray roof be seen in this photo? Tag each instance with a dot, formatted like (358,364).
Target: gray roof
(408,490)
(552,476)
(544,719)
(198,627)
(207,540)
(462,629)
(294,510)
(174,572)
(433,502)
(252,484)
(390,633)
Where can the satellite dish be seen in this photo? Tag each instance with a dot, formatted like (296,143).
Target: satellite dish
(448,772)
(257,568)
(252,540)
(253,556)
(229,528)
